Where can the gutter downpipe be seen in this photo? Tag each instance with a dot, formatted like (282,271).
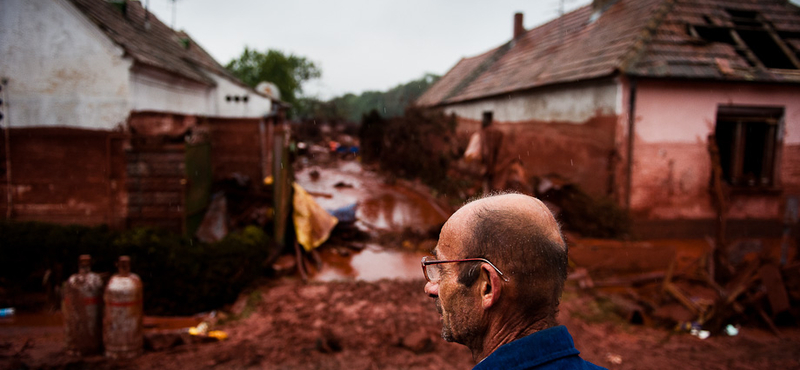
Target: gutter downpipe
(631,126)
(9,190)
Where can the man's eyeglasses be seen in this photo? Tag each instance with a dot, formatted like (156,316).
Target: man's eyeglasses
(432,273)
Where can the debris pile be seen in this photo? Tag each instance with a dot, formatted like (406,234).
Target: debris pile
(685,295)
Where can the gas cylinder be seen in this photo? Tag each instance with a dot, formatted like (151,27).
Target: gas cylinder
(122,322)
(81,307)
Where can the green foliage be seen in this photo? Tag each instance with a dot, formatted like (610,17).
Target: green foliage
(589,216)
(28,249)
(180,276)
(371,136)
(287,71)
(419,144)
(351,107)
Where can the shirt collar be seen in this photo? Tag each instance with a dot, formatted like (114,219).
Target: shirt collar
(533,350)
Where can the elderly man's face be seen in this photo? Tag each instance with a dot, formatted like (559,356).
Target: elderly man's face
(457,304)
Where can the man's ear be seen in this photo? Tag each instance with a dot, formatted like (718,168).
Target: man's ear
(490,286)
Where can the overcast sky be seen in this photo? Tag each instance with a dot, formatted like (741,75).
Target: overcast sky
(358,44)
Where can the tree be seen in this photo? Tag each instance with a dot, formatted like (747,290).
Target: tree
(287,71)
(391,103)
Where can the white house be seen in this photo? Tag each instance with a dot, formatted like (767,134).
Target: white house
(82,80)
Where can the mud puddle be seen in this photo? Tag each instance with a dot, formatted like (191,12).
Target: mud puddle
(380,206)
(371,264)
(27,323)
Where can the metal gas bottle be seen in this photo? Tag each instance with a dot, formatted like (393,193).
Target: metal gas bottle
(81,307)
(122,321)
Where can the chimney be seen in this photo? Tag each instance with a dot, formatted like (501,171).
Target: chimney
(602,5)
(519,29)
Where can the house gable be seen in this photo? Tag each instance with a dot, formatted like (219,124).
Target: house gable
(61,70)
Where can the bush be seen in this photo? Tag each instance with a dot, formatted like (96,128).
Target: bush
(590,217)
(419,144)
(180,276)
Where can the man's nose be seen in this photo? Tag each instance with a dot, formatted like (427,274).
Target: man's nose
(432,289)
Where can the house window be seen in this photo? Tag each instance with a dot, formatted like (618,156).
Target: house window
(748,140)
(488,117)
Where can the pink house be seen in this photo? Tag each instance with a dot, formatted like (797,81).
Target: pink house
(622,98)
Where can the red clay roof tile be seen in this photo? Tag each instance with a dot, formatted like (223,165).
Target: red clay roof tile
(647,38)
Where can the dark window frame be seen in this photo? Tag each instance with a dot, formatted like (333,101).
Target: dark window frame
(750,139)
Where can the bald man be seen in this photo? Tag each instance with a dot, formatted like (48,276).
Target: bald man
(496,278)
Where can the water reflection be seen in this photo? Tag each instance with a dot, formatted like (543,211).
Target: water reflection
(371,264)
(381,206)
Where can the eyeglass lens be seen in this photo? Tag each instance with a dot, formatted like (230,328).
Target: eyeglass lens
(433,272)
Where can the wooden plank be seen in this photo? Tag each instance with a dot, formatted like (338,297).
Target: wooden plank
(776,291)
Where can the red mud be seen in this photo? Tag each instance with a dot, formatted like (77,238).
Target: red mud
(351,317)
(391,324)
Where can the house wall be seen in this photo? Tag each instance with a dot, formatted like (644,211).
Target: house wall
(61,70)
(672,168)
(567,130)
(156,185)
(256,106)
(238,146)
(154,90)
(573,103)
(65,175)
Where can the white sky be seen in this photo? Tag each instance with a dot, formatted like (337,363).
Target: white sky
(358,44)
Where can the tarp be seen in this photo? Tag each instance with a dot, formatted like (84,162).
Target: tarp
(312,223)
(473,152)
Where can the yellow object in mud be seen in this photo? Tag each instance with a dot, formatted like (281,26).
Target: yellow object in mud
(268,180)
(219,334)
(312,223)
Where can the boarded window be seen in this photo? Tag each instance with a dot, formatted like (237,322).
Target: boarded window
(748,139)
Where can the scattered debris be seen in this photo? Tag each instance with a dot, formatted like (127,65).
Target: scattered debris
(758,290)
(614,359)
(215,222)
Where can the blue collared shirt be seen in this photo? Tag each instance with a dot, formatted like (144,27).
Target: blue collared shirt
(547,349)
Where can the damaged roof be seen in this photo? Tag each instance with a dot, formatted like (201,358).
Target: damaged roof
(740,40)
(150,42)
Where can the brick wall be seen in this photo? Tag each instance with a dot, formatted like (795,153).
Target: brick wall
(64,175)
(156,180)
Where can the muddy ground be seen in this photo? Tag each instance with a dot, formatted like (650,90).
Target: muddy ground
(352,315)
(391,324)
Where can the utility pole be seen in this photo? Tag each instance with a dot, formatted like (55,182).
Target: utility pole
(174,12)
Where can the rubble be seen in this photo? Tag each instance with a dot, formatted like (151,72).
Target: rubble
(686,296)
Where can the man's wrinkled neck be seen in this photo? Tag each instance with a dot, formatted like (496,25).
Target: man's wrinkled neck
(506,330)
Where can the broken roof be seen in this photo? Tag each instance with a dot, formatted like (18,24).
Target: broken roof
(700,39)
(150,42)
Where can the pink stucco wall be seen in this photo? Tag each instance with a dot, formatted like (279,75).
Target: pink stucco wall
(671,167)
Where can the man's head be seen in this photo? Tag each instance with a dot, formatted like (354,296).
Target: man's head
(520,236)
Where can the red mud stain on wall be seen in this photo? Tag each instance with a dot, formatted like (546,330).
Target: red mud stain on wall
(65,175)
(790,169)
(580,153)
(156,192)
(670,180)
(236,147)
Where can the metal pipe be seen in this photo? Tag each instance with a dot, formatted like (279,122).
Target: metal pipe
(631,126)
(9,190)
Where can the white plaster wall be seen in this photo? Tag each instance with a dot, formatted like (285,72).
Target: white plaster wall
(256,105)
(674,112)
(574,103)
(158,91)
(61,69)
(672,169)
